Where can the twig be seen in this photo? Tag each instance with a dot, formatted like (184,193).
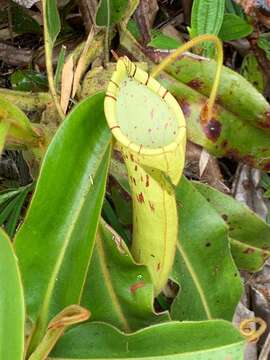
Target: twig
(49,65)
(107,34)
(14,56)
(266,349)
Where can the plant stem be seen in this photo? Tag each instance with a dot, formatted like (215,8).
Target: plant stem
(171,58)
(49,65)
(107,34)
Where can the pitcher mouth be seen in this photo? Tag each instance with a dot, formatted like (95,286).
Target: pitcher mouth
(154,122)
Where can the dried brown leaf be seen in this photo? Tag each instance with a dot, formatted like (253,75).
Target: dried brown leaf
(66,83)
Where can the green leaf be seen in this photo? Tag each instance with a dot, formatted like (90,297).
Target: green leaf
(55,243)
(8,194)
(6,212)
(206,18)
(133,28)
(264,43)
(207,340)
(240,127)
(28,80)
(249,234)
(22,22)
(233,8)
(161,41)
(20,128)
(52,19)
(12,312)
(111,218)
(117,290)
(234,28)
(114,9)
(252,71)
(203,261)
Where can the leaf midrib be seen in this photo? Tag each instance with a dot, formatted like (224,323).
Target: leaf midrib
(108,283)
(195,280)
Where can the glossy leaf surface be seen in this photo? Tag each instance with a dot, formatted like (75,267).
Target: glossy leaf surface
(56,240)
(207,16)
(203,266)
(12,312)
(203,259)
(52,20)
(234,28)
(117,290)
(239,133)
(110,11)
(249,234)
(207,340)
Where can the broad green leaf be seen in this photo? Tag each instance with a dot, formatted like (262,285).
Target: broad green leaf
(22,21)
(240,126)
(110,12)
(28,80)
(234,28)
(12,312)
(203,267)
(52,20)
(133,27)
(249,234)
(235,93)
(117,290)
(233,8)
(55,243)
(161,41)
(252,71)
(205,340)
(206,16)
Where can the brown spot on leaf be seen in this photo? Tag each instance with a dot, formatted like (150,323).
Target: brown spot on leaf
(136,168)
(266,167)
(212,130)
(140,198)
(265,122)
(131,157)
(158,266)
(249,250)
(185,106)
(147,181)
(195,84)
(136,286)
(224,144)
(224,217)
(248,159)
(151,206)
